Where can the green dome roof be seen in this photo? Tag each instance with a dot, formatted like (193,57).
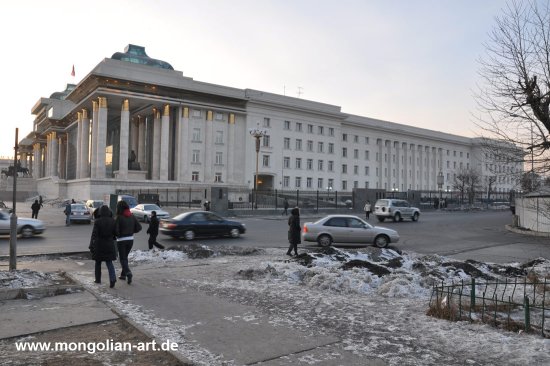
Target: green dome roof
(137,55)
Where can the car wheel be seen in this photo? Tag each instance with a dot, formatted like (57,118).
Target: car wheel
(189,235)
(27,231)
(397,217)
(324,241)
(145,218)
(381,241)
(235,233)
(381,218)
(415,216)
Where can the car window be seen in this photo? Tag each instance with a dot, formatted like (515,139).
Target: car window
(77,207)
(212,217)
(151,207)
(382,203)
(353,222)
(197,217)
(3,216)
(336,222)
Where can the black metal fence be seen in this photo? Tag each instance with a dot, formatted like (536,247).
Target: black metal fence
(518,304)
(175,197)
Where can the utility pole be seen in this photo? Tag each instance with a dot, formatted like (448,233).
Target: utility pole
(13,216)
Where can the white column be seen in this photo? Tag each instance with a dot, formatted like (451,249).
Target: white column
(231,149)
(208,148)
(155,163)
(78,145)
(93,159)
(164,142)
(61,158)
(134,136)
(141,153)
(180,158)
(101,136)
(124,137)
(34,169)
(85,145)
(55,154)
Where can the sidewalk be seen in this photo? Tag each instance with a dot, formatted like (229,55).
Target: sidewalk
(209,329)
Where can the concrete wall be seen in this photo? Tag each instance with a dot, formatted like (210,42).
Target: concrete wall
(534,213)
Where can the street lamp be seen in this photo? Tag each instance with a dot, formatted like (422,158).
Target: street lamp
(257,133)
(440,181)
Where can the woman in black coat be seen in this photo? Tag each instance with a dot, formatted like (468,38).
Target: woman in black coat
(294,231)
(153,231)
(102,244)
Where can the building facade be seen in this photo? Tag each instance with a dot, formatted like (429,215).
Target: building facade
(136,123)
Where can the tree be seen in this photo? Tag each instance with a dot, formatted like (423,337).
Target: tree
(466,182)
(514,94)
(491,180)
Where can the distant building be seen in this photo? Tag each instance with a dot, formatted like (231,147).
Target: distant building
(135,122)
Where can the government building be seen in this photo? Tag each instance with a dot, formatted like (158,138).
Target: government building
(135,123)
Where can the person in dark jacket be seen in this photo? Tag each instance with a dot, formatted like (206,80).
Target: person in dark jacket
(35,207)
(126,225)
(102,244)
(153,231)
(294,230)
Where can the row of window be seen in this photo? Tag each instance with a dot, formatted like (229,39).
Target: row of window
(195,177)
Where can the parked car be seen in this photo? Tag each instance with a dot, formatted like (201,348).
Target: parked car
(189,225)
(130,200)
(79,213)
(143,212)
(25,227)
(347,229)
(92,205)
(4,207)
(395,209)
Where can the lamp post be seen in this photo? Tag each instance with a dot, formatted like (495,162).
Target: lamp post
(257,133)
(440,181)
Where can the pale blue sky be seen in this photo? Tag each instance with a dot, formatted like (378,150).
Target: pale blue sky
(405,61)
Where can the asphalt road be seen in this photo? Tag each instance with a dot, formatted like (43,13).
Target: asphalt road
(462,235)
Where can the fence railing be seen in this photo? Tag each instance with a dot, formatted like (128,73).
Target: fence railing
(518,304)
(174,197)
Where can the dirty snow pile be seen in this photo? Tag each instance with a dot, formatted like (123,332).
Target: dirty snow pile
(156,256)
(26,278)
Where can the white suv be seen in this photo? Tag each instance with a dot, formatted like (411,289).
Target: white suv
(395,209)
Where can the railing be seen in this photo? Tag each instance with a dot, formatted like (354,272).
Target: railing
(515,305)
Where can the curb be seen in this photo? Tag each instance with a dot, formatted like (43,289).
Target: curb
(124,318)
(38,292)
(527,231)
(60,254)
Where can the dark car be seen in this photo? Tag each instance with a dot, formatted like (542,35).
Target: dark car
(188,225)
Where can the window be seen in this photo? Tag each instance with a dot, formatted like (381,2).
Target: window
(367,184)
(461,154)
(356,169)
(344,137)
(344,168)
(355,184)
(286,162)
(454,153)
(366,155)
(356,154)
(377,157)
(366,143)
(330,148)
(298,144)
(310,128)
(265,160)
(356,139)
(195,176)
(330,166)
(196,134)
(219,116)
(320,165)
(286,181)
(331,131)
(320,130)
(267,122)
(367,171)
(331,183)
(196,112)
(344,152)
(196,156)
(219,137)
(286,143)
(287,125)
(468,155)
(320,183)
(298,163)
(219,158)
(309,145)
(344,185)
(266,140)
(309,182)
(299,126)
(320,147)
(218,177)
(298,182)
(309,164)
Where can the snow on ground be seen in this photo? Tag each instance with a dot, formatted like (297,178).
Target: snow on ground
(26,278)
(374,300)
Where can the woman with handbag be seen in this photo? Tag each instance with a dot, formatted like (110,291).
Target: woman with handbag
(102,245)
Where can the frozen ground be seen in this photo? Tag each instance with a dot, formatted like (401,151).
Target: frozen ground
(338,293)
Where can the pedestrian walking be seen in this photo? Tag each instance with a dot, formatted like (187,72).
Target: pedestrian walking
(368,209)
(294,230)
(67,213)
(206,205)
(126,225)
(35,207)
(153,231)
(285,207)
(102,244)
(40,200)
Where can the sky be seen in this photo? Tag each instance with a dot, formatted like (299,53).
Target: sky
(407,61)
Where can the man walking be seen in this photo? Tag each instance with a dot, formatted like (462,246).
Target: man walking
(35,207)
(285,207)
(153,231)
(367,209)
(68,214)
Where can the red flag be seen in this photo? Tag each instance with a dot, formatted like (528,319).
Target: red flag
(72,72)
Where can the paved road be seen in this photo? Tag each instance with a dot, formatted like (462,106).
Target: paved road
(462,235)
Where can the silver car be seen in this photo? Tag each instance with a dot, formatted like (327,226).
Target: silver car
(395,209)
(80,213)
(143,212)
(25,227)
(347,229)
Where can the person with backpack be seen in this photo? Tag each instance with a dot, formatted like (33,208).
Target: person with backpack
(126,225)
